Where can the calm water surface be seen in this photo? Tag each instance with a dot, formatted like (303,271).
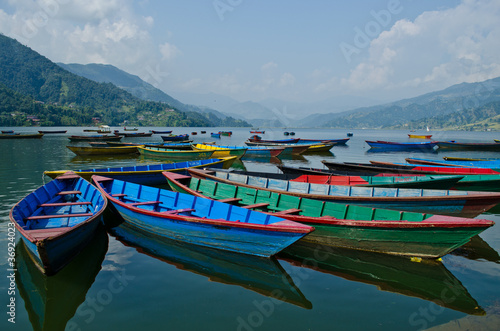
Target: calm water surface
(125,281)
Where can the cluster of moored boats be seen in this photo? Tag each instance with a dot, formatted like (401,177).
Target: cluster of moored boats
(422,210)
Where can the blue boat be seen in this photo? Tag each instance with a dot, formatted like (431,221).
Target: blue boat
(215,134)
(57,220)
(148,174)
(402,146)
(179,137)
(199,221)
(257,151)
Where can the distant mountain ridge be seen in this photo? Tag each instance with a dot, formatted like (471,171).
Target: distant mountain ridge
(143,90)
(450,101)
(63,98)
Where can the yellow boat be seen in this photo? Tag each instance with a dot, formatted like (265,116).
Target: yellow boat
(222,151)
(420,136)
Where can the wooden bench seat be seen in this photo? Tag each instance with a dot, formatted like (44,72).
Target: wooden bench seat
(62,204)
(257,205)
(69,192)
(230,200)
(42,217)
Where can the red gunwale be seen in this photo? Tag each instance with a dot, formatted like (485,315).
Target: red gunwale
(283,226)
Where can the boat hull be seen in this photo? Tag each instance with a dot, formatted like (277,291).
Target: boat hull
(158,152)
(148,174)
(54,241)
(261,239)
(354,227)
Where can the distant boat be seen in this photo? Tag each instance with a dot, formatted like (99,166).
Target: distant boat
(286,133)
(226,133)
(420,136)
(161,132)
(21,135)
(7,131)
(103,150)
(130,129)
(52,131)
(340,141)
(203,132)
(215,135)
(261,132)
(402,146)
(350,134)
(98,137)
(136,134)
(194,133)
(180,137)
(453,145)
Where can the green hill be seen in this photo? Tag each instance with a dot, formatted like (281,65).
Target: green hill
(59,97)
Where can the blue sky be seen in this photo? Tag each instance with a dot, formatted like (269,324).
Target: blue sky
(254,50)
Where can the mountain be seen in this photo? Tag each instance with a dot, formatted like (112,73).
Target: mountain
(451,101)
(63,98)
(105,73)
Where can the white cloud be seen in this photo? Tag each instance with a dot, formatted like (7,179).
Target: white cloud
(437,49)
(169,51)
(287,79)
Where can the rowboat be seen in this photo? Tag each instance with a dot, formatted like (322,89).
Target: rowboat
(251,151)
(180,146)
(58,219)
(394,274)
(103,150)
(317,176)
(7,131)
(134,134)
(161,132)
(492,164)
(318,147)
(443,202)
(96,137)
(350,134)
(199,221)
(288,149)
(226,133)
(420,136)
(221,151)
(147,174)
(130,129)
(180,137)
(453,145)
(52,131)
(174,154)
(496,140)
(215,134)
(21,135)
(260,132)
(51,301)
(261,275)
(341,225)
(277,141)
(402,146)
(340,141)
(375,168)
(490,183)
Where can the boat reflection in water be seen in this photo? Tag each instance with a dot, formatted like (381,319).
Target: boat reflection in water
(262,275)
(51,301)
(477,249)
(428,280)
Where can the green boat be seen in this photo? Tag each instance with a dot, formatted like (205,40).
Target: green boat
(485,183)
(174,154)
(349,226)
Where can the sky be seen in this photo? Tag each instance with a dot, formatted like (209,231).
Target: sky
(300,51)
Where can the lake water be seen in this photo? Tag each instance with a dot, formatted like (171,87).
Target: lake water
(125,281)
